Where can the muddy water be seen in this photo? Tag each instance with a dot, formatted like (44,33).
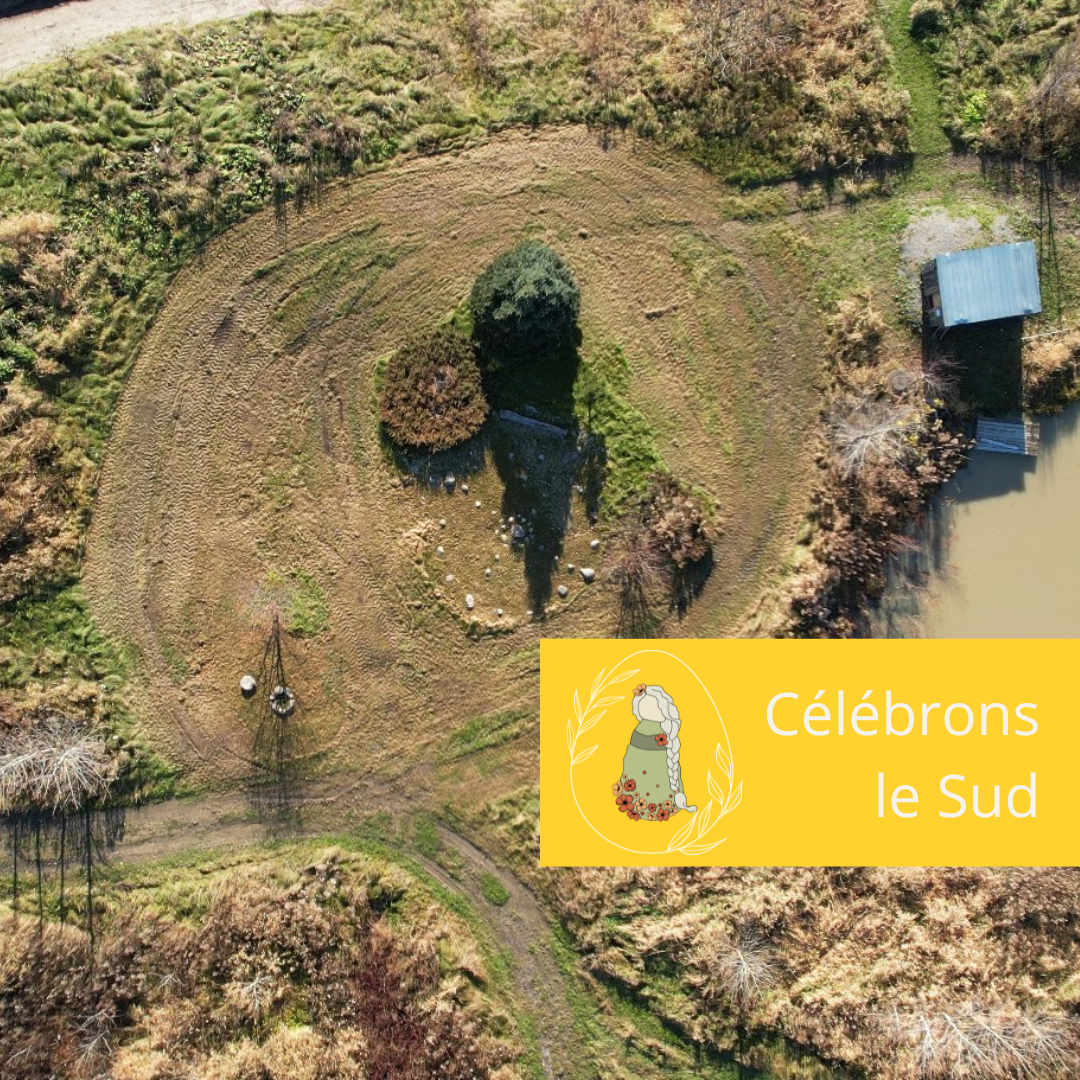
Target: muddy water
(1001,548)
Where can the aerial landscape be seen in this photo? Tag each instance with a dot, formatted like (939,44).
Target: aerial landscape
(349,349)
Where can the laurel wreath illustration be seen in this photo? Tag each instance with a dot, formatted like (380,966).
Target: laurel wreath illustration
(692,838)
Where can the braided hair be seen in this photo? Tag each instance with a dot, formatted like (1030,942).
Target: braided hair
(670,726)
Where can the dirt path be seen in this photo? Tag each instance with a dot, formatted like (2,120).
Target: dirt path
(38,36)
(520,926)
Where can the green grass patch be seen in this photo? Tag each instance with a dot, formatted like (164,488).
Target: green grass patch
(493,890)
(484,732)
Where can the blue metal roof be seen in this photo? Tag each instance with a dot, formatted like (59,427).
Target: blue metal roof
(1000,282)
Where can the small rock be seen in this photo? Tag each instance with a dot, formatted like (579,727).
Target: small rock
(539,457)
(518,533)
(595,545)
(494,513)
(464,489)
(450,481)
(510,519)
(449,578)
(529,612)
(503,538)
(583,233)
(434,481)
(442,523)
(478,504)
(470,603)
(564,591)
(248,686)
(497,556)
(440,551)
(487,572)
(588,575)
(499,612)
(570,568)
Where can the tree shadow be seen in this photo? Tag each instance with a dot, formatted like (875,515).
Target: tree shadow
(988,361)
(277,740)
(688,583)
(542,458)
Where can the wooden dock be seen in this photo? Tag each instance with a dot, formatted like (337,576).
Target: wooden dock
(1007,436)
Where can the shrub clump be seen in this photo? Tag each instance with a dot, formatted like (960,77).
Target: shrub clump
(677,524)
(432,397)
(525,304)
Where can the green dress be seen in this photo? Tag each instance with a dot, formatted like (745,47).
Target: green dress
(644,790)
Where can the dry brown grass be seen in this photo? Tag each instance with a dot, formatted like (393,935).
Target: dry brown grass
(1052,372)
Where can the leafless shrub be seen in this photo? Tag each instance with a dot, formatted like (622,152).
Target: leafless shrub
(639,568)
(740,968)
(736,38)
(981,1042)
(941,375)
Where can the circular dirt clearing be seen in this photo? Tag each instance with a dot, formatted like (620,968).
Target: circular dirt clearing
(246,474)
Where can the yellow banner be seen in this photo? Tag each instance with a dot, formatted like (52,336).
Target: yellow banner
(809,753)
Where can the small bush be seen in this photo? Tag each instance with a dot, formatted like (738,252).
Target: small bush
(677,523)
(432,397)
(525,304)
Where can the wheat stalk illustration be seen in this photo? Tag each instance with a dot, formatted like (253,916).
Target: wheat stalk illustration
(691,838)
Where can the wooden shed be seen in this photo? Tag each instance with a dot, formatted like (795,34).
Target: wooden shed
(982,284)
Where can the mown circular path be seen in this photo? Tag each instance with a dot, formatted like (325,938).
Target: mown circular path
(245,466)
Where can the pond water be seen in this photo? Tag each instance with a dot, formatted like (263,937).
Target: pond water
(999,553)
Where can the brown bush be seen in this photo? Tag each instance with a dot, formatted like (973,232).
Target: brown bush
(432,397)
(676,522)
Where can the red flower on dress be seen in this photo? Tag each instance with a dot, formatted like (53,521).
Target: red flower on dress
(630,785)
(663,814)
(624,803)
(633,816)
(661,740)
(652,808)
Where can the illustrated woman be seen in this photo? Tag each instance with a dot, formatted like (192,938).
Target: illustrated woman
(650,788)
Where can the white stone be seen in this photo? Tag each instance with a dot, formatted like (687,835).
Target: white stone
(478,504)
(499,612)
(588,575)
(449,578)
(595,545)
(563,591)
(248,685)
(440,550)
(464,489)
(487,572)
(442,523)
(470,602)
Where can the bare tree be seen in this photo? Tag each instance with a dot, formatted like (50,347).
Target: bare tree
(980,1042)
(50,772)
(871,434)
(639,568)
(740,967)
